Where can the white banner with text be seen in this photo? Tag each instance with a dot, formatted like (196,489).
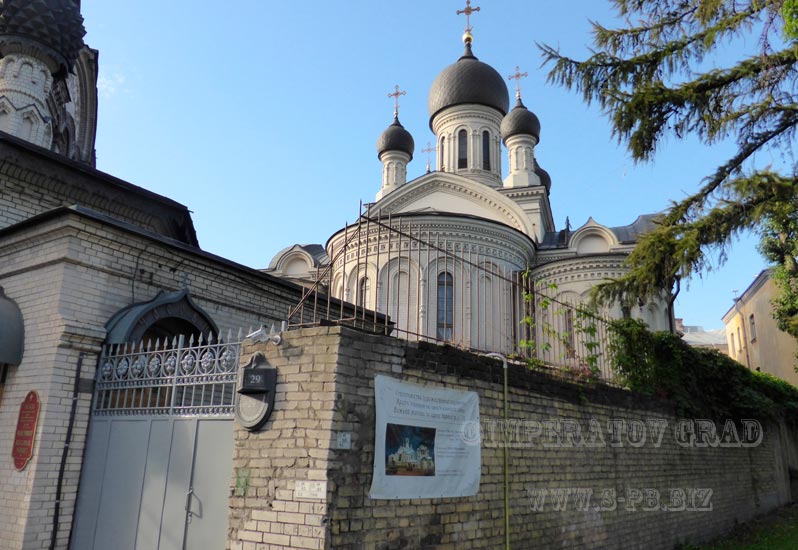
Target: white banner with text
(420,450)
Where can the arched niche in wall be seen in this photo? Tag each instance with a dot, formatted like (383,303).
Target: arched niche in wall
(12,331)
(296,265)
(592,238)
(168,315)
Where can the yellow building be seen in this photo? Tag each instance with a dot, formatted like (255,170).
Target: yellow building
(753,337)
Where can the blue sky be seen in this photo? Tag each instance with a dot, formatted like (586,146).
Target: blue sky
(262,116)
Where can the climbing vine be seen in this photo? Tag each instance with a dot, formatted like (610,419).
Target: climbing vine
(701,383)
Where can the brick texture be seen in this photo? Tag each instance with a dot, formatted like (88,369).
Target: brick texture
(326,385)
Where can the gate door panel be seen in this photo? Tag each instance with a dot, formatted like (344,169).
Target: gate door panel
(159,451)
(121,483)
(213,466)
(154,484)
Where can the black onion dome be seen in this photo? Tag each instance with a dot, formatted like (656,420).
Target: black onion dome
(468,80)
(396,138)
(545,178)
(520,121)
(56,24)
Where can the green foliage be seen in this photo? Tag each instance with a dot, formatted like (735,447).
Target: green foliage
(648,78)
(779,244)
(583,360)
(785,305)
(789,11)
(701,383)
(778,530)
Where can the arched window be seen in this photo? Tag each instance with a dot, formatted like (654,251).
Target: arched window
(363,292)
(462,149)
(570,340)
(486,150)
(752,326)
(443,154)
(445,306)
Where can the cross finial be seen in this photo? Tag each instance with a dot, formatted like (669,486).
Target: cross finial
(396,93)
(468,11)
(518,76)
(430,149)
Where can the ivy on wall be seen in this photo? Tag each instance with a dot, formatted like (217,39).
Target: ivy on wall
(701,383)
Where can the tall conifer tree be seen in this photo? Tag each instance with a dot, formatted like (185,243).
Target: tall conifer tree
(650,77)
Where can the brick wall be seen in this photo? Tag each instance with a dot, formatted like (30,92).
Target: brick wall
(326,386)
(69,275)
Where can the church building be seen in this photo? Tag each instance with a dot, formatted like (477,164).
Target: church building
(119,333)
(446,254)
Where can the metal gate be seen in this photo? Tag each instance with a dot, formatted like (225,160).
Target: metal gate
(158,460)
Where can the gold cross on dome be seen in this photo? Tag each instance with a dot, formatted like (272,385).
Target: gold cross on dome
(518,76)
(430,149)
(396,93)
(467,11)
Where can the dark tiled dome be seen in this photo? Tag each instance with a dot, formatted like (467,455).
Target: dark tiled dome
(56,24)
(396,138)
(520,121)
(545,178)
(468,80)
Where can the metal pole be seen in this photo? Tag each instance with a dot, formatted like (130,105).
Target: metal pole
(506,451)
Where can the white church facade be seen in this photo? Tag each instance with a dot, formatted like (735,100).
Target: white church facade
(449,255)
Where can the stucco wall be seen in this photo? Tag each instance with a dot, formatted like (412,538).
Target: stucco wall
(767,348)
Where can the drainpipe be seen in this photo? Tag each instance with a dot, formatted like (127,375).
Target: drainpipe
(67,441)
(506,458)
(745,332)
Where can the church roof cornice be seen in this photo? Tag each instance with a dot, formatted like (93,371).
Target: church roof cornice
(443,217)
(478,193)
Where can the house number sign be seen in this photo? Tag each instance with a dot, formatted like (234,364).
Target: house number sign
(25,435)
(257,383)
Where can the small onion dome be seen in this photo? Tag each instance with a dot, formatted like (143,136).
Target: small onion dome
(55,24)
(520,121)
(545,178)
(468,80)
(396,138)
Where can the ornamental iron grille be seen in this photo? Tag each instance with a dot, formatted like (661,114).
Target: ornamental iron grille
(178,377)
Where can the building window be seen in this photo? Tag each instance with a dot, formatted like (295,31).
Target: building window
(731,345)
(443,154)
(445,306)
(570,347)
(363,292)
(485,150)
(752,326)
(462,149)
